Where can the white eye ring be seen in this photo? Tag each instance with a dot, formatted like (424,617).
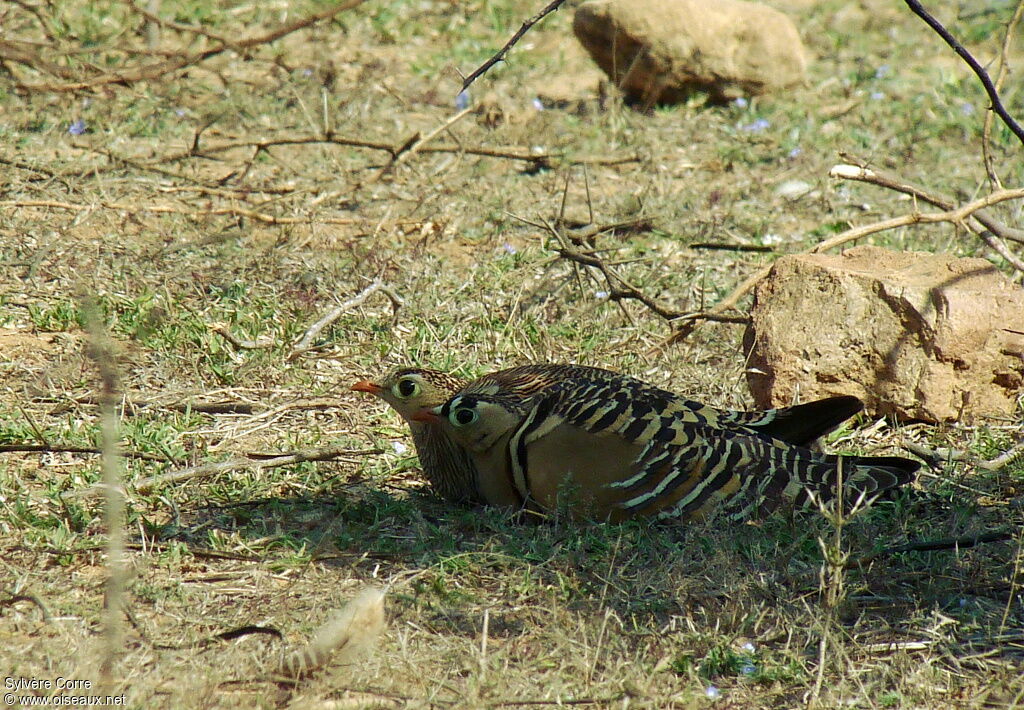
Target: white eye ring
(414,388)
(458,417)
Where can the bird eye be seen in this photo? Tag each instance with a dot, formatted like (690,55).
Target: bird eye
(407,388)
(464,416)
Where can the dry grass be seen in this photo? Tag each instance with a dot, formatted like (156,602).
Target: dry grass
(264,236)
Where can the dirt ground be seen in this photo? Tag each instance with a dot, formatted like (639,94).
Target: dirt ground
(211,206)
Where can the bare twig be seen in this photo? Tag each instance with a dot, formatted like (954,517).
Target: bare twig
(303,345)
(170,209)
(865,174)
(127,405)
(860,171)
(724,246)
(58,448)
(207,151)
(611,700)
(416,144)
(1004,458)
(500,54)
(157,165)
(893,646)
(212,469)
(946,543)
(990,89)
(153,71)
(15,51)
(224,331)
(583,235)
(986,132)
(953,216)
(618,288)
(688,322)
(935,457)
(999,248)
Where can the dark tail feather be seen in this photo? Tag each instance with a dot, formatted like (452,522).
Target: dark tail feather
(803,423)
(873,474)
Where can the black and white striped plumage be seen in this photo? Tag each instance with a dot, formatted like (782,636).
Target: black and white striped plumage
(610,447)
(594,393)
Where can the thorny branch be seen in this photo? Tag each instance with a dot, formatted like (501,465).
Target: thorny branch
(500,54)
(686,322)
(394,150)
(990,89)
(60,448)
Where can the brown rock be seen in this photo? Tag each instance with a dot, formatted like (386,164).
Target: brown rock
(661,51)
(916,335)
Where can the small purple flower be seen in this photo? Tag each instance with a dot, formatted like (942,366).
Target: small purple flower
(749,647)
(601,295)
(748,669)
(713,692)
(180,112)
(795,152)
(462,101)
(877,96)
(77,128)
(509,249)
(538,104)
(757,126)
(882,71)
(307,72)
(740,102)
(967,109)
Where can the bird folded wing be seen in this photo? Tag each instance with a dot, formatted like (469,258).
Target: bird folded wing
(613,457)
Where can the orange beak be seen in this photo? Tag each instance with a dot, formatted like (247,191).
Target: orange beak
(427,416)
(367,386)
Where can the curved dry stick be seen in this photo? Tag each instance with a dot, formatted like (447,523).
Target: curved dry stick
(862,172)
(995,227)
(306,342)
(688,322)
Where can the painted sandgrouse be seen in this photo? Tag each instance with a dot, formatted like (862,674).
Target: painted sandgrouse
(451,471)
(611,448)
